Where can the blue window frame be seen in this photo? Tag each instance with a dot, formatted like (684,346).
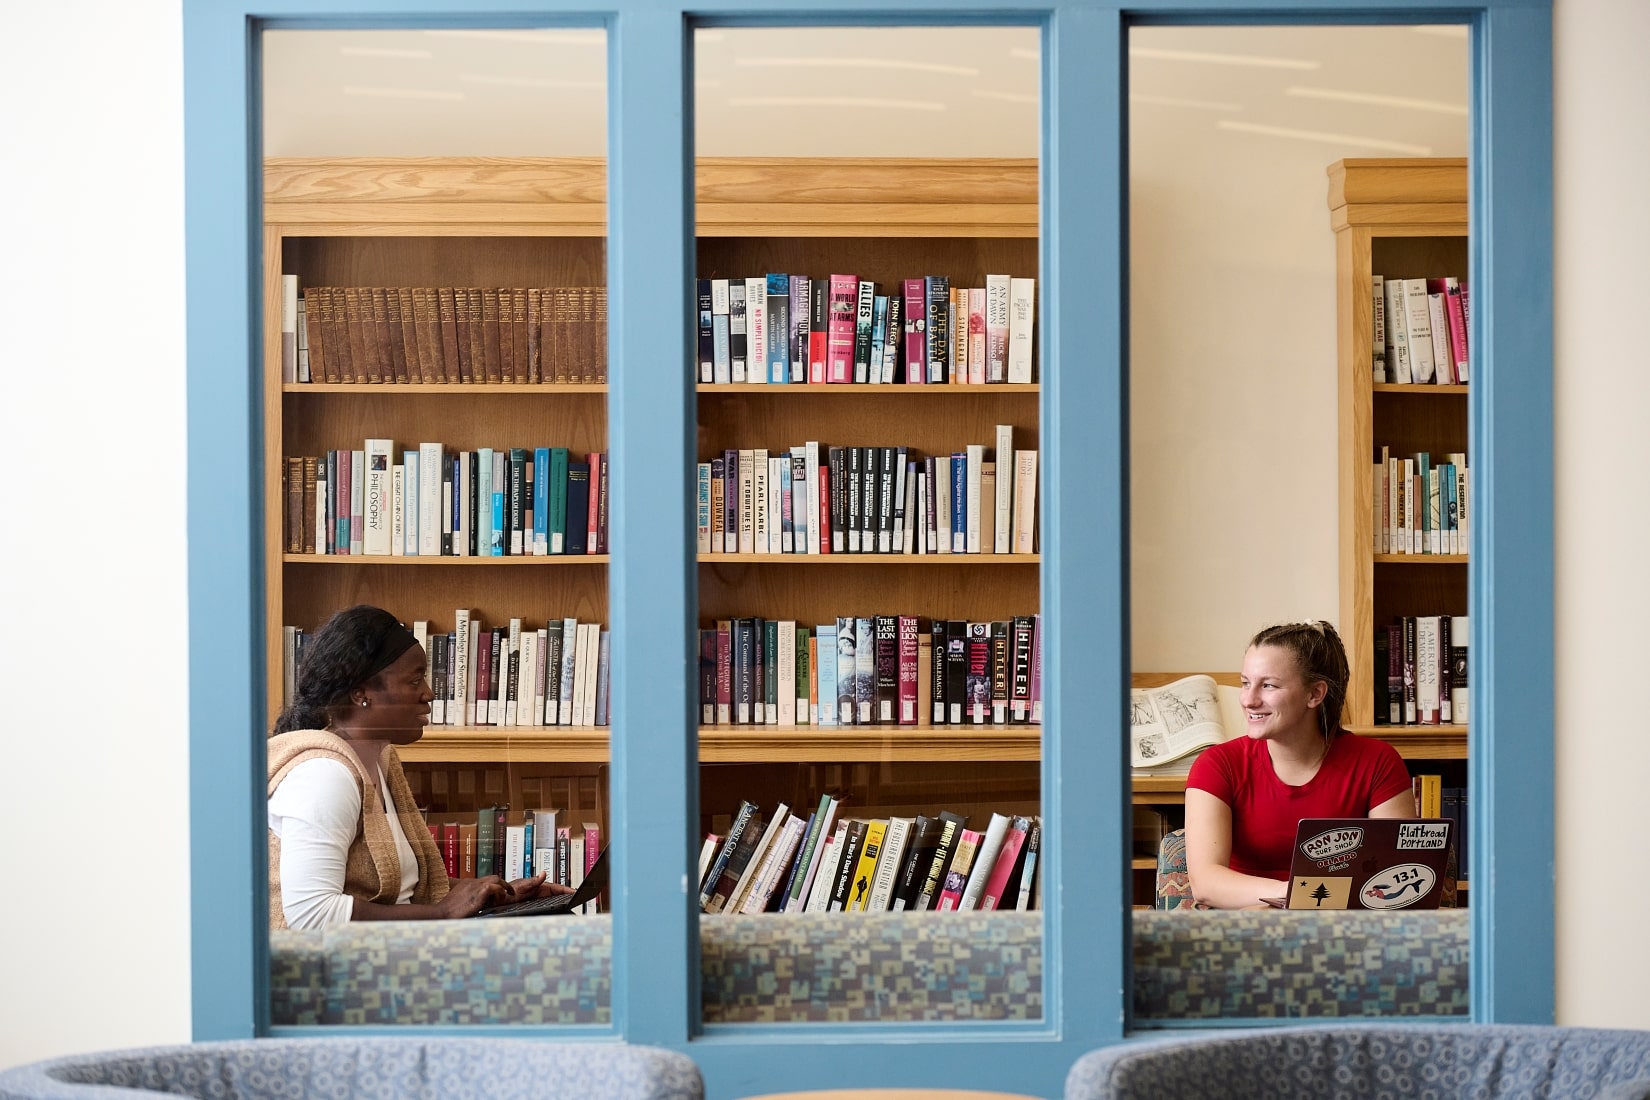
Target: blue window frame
(1085,567)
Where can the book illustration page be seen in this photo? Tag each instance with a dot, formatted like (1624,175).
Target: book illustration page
(1168,722)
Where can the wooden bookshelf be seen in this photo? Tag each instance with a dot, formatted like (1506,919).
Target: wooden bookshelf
(1405,218)
(883,221)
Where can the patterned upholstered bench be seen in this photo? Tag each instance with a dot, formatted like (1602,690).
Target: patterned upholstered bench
(885,966)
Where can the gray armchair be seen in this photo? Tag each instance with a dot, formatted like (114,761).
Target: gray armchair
(377,1068)
(1353,1062)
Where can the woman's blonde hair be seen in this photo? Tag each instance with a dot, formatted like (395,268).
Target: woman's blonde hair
(1321,658)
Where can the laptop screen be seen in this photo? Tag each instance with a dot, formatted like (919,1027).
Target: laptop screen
(1370,863)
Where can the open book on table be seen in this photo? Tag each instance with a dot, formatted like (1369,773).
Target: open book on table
(1168,725)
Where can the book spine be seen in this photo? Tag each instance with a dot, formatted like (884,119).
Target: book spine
(737,342)
(840,329)
(938,340)
(916,329)
(1021,315)
(819,312)
(756,329)
(906,659)
(721,334)
(797,346)
(864,317)
(779,328)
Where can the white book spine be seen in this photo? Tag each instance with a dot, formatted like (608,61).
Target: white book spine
(908,529)
(1003,533)
(289,328)
(430,460)
(569,658)
(322,534)
(902,507)
(1021,313)
(398,485)
(527,677)
(888,865)
(410,494)
(786,669)
(582,660)
(1025,501)
(1426,669)
(376,521)
(747,501)
(756,329)
(702,509)
(1378,343)
(976,457)
(593,647)
(721,368)
(985,858)
(1459,665)
(811,453)
(1443,367)
(461,536)
(472,715)
(779,484)
(515,838)
(761,504)
(804,532)
(1419,318)
(1397,332)
(942,504)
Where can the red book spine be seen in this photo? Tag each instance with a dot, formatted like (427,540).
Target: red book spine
(907,670)
(1013,841)
(824,508)
(724,671)
(449,848)
(484,675)
(916,351)
(819,299)
(593,522)
(840,327)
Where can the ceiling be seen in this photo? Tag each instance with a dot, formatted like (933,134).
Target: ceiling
(884,91)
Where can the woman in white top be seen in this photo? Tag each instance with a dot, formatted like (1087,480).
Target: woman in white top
(346,839)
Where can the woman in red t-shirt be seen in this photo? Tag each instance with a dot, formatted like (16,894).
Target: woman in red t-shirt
(1245,797)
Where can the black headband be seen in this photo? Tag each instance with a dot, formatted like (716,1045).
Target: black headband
(396,641)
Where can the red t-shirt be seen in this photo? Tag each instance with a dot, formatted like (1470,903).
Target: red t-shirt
(1358,774)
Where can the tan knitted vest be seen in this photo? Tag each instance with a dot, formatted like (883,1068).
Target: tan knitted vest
(372,869)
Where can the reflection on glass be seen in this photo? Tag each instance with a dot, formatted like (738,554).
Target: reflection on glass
(436,475)
(1258,418)
(869,639)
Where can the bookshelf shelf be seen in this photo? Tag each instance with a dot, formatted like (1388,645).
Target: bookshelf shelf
(490,744)
(872,559)
(1419,559)
(456,389)
(515,561)
(1413,390)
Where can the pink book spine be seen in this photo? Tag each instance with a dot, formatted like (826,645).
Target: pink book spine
(907,670)
(839,332)
(996,327)
(951,891)
(1457,327)
(592,845)
(976,335)
(593,517)
(916,312)
(1013,841)
(1037,669)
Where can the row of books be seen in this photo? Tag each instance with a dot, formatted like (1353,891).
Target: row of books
(1425,663)
(871,670)
(490,502)
(1421,330)
(829,863)
(517,676)
(841,330)
(821,499)
(1421,506)
(517,845)
(1433,799)
(443,334)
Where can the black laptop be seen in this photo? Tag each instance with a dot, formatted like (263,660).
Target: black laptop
(595,881)
(1369,863)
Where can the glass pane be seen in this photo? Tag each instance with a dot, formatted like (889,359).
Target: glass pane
(868,393)
(436,377)
(1260,415)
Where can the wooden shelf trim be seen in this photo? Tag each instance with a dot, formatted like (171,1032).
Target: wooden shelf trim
(1419,559)
(493,745)
(1455,389)
(808,744)
(516,560)
(824,196)
(873,559)
(451,389)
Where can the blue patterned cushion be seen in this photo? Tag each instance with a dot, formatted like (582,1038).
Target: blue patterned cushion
(367,1069)
(1374,1063)
(1265,963)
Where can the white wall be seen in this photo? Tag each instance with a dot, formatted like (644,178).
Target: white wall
(1601,405)
(95,752)
(94,925)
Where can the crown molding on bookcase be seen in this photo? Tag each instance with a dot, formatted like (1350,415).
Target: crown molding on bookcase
(1404,191)
(824,196)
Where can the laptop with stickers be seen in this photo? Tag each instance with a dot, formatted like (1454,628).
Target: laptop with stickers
(1370,863)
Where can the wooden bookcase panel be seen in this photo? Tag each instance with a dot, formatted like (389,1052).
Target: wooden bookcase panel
(930,420)
(446,261)
(887,585)
(450,791)
(316,588)
(315,423)
(966,261)
(1420,257)
(1420,421)
(1418,587)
